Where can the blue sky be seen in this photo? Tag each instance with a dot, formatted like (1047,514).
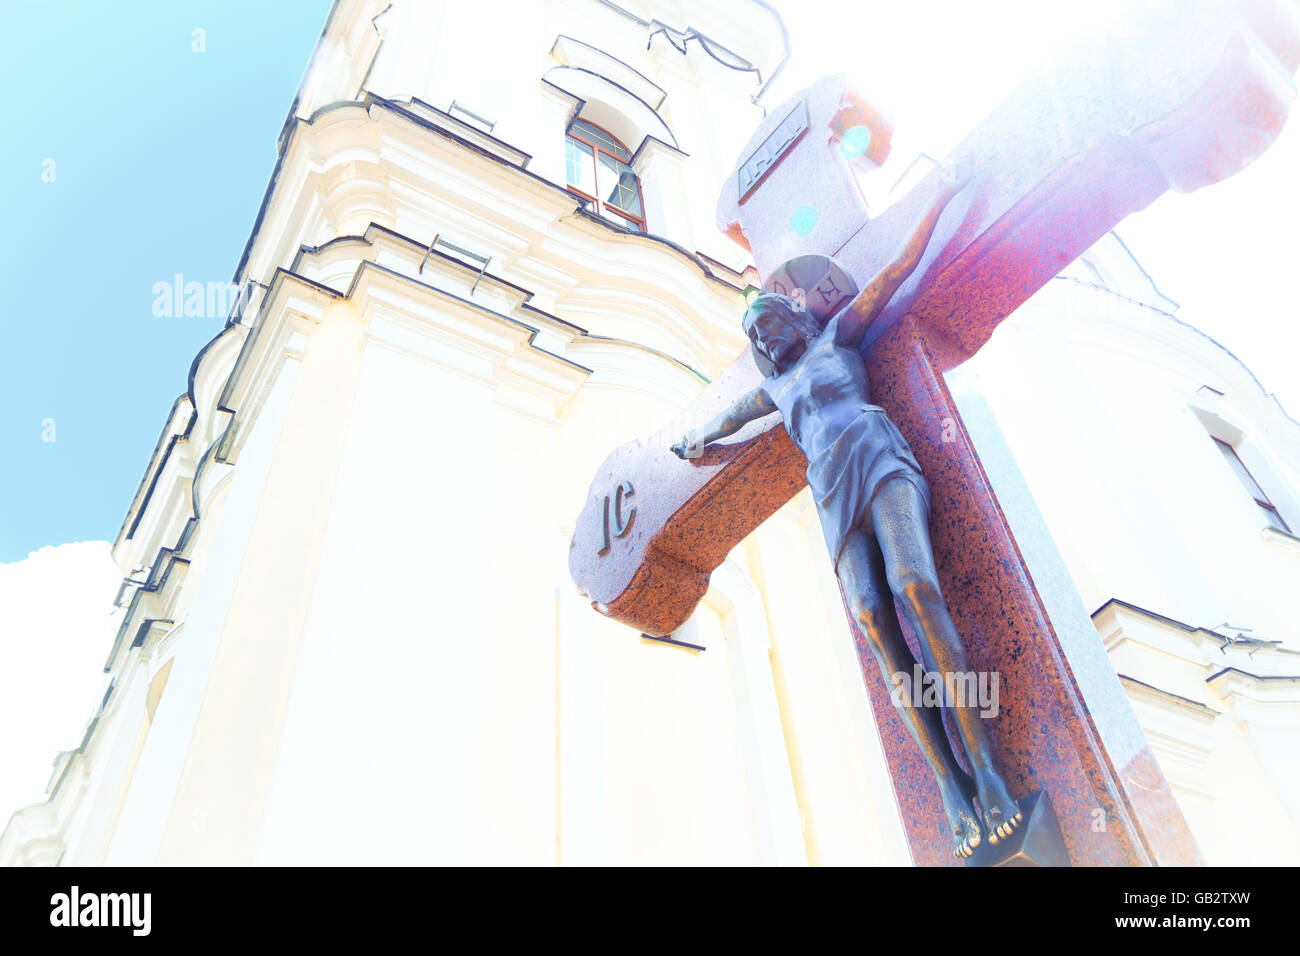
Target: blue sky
(161,155)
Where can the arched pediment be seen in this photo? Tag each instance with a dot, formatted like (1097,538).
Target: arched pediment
(606,103)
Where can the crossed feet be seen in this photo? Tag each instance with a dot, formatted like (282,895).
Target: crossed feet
(963,799)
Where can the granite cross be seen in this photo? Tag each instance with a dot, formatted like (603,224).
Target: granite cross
(1185,104)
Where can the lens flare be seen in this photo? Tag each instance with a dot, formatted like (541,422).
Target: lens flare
(803,221)
(855,142)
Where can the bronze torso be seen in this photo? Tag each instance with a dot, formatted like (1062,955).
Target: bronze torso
(822,393)
(851,445)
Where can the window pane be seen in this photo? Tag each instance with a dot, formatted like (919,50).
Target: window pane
(1239,469)
(618,186)
(579,166)
(1246,478)
(615,217)
(602,139)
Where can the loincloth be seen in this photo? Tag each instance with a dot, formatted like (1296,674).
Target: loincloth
(845,477)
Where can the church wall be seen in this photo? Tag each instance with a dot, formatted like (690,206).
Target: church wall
(846,799)
(151,788)
(1100,399)
(1141,462)
(424,682)
(103,775)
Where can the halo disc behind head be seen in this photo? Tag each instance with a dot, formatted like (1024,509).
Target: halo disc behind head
(816,282)
(819,282)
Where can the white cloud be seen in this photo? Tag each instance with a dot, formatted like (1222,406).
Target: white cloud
(55,633)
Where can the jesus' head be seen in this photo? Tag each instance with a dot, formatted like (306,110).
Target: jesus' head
(779,329)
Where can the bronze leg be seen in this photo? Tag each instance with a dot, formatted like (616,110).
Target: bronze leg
(899,516)
(862,573)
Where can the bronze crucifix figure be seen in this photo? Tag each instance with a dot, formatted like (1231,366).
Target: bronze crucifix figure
(874,506)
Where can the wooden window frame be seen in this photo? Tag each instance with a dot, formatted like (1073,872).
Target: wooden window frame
(638,224)
(1226,448)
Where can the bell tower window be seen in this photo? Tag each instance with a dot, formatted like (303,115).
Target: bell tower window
(596,167)
(1251,485)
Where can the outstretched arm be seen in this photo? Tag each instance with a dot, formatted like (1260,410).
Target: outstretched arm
(753,404)
(854,320)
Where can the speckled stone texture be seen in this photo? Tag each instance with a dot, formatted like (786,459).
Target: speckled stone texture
(1184,105)
(1045,735)
(689,515)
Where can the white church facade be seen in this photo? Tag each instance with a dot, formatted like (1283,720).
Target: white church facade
(347,632)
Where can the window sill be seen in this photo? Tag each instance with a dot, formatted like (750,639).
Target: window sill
(1281,538)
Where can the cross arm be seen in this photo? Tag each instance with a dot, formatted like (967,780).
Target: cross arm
(650,569)
(1065,158)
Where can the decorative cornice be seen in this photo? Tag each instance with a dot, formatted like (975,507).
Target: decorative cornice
(568,51)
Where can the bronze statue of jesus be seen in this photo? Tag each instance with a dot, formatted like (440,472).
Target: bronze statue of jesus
(874,506)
